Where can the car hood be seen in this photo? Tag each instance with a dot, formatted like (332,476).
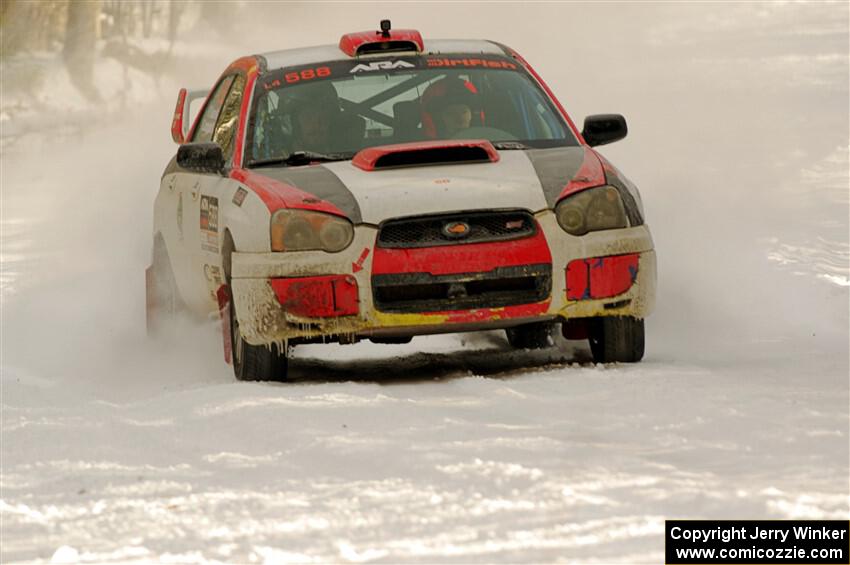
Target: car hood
(531,180)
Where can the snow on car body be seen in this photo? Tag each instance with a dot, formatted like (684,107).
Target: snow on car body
(389,187)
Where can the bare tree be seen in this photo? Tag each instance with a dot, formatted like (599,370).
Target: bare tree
(147,17)
(27,26)
(79,49)
(217,15)
(175,10)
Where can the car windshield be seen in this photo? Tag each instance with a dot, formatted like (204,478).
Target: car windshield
(332,110)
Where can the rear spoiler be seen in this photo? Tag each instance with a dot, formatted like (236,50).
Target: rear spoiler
(181,122)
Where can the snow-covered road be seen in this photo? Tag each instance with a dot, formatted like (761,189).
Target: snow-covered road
(420,458)
(454,448)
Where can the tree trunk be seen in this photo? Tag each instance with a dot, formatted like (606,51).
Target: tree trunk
(175,10)
(27,25)
(147,18)
(79,50)
(217,15)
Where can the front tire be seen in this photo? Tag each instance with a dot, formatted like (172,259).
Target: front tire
(537,335)
(256,362)
(616,339)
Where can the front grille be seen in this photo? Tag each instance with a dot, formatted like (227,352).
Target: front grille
(430,231)
(423,292)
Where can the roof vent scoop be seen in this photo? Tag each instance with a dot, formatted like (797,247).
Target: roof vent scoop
(386,40)
(422,153)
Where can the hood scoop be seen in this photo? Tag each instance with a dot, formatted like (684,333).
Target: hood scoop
(423,153)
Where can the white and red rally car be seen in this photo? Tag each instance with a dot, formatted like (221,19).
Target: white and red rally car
(388,187)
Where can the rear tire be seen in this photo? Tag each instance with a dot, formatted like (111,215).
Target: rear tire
(616,339)
(256,362)
(537,335)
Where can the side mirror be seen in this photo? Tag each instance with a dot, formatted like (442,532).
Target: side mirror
(177,127)
(600,129)
(201,157)
(183,115)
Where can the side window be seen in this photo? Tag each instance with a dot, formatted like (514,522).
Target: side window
(205,128)
(228,119)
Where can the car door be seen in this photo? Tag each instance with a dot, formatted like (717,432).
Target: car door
(187,185)
(206,197)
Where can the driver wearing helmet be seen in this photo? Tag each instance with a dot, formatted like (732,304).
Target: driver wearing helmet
(447,108)
(314,111)
(313,126)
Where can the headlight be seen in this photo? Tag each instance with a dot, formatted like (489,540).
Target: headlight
(302,230)
(593,209)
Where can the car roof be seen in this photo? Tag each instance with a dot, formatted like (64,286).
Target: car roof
(322,53)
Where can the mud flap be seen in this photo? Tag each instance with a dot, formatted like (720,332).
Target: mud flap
(574,329)
(223,297)
(150,300)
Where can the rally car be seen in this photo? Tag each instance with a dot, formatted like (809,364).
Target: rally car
(387,187)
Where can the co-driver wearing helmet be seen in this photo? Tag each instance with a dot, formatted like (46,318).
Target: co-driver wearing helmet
(447,107)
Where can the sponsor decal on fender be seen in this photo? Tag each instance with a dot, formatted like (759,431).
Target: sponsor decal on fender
(240,195)
(209,223)
(214,279)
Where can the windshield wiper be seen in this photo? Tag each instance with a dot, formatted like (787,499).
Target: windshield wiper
(301,158)
(508,145)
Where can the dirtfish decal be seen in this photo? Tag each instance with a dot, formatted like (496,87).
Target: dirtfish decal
(382,65)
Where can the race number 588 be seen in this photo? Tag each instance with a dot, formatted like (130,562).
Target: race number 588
(307,74)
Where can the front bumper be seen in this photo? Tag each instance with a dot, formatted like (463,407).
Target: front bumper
(264,319)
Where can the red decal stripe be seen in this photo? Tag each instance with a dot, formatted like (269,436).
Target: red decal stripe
(486,314)
(357,266)
(349,42)
(462,258)
(276,195)
(245,64)
(601,277)
(318,297)
(578,285)
(239,143)
(589,174)
(177,122)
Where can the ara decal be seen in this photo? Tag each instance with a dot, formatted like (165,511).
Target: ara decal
(382,65)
